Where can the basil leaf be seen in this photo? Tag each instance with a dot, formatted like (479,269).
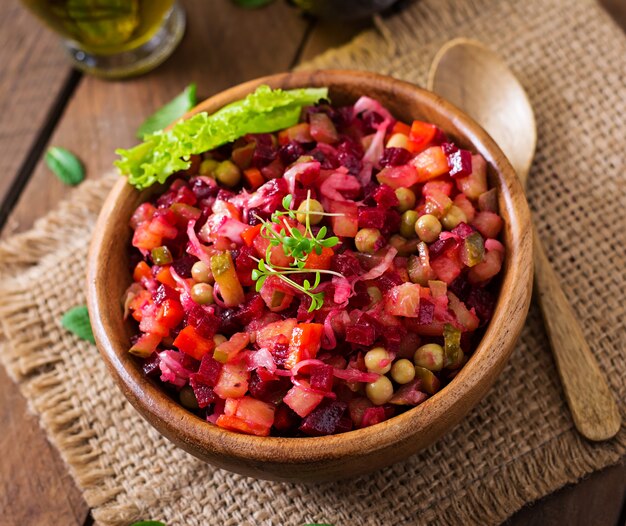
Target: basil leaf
(65,165)
(147,523)
(167,114)
(76,321)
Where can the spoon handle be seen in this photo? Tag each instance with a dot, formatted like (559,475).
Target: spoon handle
(591,403)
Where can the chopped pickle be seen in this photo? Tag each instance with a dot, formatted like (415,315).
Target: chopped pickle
(223,270)
(474,250)
(161,256)
(430,383)
(452,346)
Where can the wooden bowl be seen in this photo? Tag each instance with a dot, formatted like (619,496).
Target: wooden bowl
(356,452)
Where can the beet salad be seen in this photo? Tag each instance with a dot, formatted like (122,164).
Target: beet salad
(309,269)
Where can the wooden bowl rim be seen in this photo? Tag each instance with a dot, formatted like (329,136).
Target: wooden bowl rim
(196,434)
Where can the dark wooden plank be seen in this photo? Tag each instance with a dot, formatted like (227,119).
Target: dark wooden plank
(224,45)
(596,500)
(617,9)
(35,487)
(328,34)
(33,70)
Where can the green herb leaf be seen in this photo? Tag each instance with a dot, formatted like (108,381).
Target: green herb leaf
(148,523)
(76,321)
(163,153)
(287,201)
(65,165)
(167,114)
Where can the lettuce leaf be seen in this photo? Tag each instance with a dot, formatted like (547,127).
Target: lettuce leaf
(165,152)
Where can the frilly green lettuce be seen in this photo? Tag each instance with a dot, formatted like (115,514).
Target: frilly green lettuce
(165,152)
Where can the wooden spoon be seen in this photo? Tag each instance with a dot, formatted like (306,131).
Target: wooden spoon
(475,79)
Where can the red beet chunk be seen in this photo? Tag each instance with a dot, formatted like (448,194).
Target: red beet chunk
(395,157)
(483,302)
(326,155)
(203,189)
(205,323)
(204,393)
(209,371)
(392,222)
(361,298)
(290,152)
(163,292)
(463,230)
(345,263)
(150,366)
(385,196)
(265,152)
(344,425)
(190,363)
(268,390)
(349,154)
(245,265)
(321,377)
(388,280)
(426,313)
(183,264)
(371,217)
(460,163)
(251,310)
(440,246)
(393,337)
(185,196)
(285,419)
(373,415)
(449,148)
(324,419)
(361,334)
(280,351)
(460,287)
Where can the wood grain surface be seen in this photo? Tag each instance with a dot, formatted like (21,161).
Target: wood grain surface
(34,485)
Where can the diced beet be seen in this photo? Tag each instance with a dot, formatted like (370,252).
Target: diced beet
(285,419)
(273,170)
(360,333)
(385,196)
(280,351)
(460,287)
(326,155)
(204,393)
(388,280)
(252,309)
(265,152)
(373,415)
(324,419)
(245,265)
(483,302)
(202,188)
(370,217)
(395,157)
(460,163)
(393,337)
(392,222)
(361,298)
(205,323)
(344,425)
(183,264)
(164,292)
(349,154)
(426,312)
(463,230)
(321,377)
(186,196)
(440,246)
(345,263)
(190,363)
(209,371)
(290,152)
(449,148)
(270,391)
(166,214)
(150,366)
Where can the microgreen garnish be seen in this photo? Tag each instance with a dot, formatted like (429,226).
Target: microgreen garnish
(299,245)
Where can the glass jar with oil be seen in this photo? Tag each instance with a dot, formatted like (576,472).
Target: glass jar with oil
(114,38)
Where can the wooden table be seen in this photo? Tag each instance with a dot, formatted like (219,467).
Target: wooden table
(43,101)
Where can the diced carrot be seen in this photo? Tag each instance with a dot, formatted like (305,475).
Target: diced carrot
(321,261)
(431,163)
(400,127)
(165,276)
(191,343)
(253,177)
(421,135)
(306,340)
(237,424)
(250,233)
(142,271)
(170,313)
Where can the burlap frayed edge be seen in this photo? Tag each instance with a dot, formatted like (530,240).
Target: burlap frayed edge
(29,362)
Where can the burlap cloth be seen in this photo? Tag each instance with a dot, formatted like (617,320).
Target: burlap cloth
(516,446)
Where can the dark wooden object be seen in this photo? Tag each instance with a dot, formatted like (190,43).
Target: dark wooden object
(35,487)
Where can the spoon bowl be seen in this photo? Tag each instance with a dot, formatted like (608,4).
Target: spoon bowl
(478,81)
